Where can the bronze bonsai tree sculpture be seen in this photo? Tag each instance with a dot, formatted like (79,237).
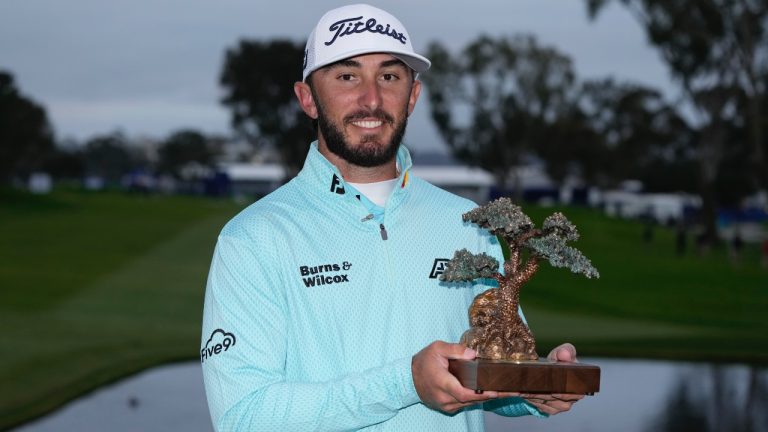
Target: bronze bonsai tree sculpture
(497,330)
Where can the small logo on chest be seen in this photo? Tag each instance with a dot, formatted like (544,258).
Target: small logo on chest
(438,267)
(336,185)
(325,274)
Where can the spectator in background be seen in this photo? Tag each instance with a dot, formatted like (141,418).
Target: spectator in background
(765,253)
(737,245)
(681,238)
(648,225)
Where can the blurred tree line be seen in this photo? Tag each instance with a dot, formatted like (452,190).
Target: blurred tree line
(500,100)
(26,136)
(258,78)
(27,145)
(716,51)
(497,103)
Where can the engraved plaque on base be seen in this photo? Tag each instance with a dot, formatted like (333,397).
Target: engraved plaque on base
(538,376)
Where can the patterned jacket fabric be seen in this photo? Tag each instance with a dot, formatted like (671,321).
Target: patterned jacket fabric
(317,300)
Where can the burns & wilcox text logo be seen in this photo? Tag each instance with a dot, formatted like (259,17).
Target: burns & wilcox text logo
(219,342)
(324,274)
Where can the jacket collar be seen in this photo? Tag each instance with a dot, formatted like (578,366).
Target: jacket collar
(324,179)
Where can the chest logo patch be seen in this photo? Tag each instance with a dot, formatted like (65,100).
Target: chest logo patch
(325,274)
(438,267)
(336,185)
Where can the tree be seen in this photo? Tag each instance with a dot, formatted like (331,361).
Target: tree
(108,157)
(497,330)
(66,163)
(715,49)
(26,137)
(184,147)
(571,147)
(643,136)
(258,79)
(493,102)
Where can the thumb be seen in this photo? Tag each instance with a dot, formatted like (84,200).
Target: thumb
(458,351)
(564,353)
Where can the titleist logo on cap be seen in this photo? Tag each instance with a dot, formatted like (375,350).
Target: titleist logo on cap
(350,26)
(355,30)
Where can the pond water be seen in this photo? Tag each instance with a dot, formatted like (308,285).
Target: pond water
(637,396)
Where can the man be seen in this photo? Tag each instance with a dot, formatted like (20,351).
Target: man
(323,309)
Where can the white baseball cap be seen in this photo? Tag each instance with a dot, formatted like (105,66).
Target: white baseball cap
(359,29)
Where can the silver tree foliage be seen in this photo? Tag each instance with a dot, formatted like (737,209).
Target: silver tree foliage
(466,266)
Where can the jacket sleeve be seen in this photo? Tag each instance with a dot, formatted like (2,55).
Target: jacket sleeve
(243,353)
(512,407)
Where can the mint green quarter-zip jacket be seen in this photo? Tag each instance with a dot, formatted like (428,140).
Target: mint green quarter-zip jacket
(316,303)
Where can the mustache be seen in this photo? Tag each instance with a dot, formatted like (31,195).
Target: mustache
(378,114)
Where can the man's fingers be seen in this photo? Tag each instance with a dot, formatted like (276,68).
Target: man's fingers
(508,394)
(455,351)
(464,398)
(543,407)
(436,387)
(552,403)
(464,395)
(550,407)
(566,397)
(456,397)
(565,353)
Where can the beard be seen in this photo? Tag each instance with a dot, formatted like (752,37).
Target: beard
(370,152)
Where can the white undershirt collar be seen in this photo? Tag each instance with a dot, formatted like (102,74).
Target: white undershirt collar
(377,192)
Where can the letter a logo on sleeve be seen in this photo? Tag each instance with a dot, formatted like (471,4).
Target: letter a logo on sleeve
(219,342)
(438,268)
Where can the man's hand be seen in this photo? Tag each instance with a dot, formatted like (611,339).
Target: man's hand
(564,353)
(437,388)
(556,403)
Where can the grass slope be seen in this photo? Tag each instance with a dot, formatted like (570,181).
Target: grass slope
(94,287)
(708,307)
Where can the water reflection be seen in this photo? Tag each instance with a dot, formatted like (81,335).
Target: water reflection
(717,398)
(635,396)
(166,398)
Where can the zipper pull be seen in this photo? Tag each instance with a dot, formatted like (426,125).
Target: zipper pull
(383,232)
(367,218)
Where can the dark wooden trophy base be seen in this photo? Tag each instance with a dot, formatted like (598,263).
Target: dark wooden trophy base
(537,376)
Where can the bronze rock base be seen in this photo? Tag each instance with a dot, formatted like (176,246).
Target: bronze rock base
(538,376)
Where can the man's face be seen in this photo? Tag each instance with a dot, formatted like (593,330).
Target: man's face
(362,106)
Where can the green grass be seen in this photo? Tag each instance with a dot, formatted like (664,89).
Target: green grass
(689,307)
(94,287)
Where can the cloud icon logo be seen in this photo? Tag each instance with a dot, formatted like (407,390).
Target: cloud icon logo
(219,342)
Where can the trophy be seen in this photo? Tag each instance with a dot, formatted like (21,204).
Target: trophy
(506,350)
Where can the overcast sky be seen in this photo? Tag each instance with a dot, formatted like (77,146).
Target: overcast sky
(151,67)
